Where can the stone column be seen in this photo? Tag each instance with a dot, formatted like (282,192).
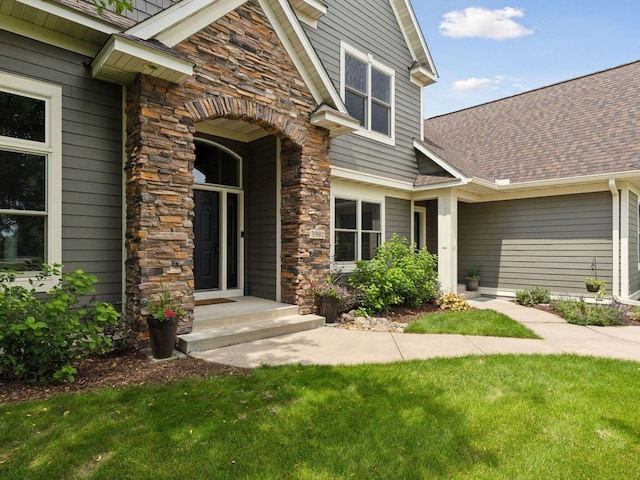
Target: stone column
(159,197)
(305,189)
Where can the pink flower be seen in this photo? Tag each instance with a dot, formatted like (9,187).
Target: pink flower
(169,313)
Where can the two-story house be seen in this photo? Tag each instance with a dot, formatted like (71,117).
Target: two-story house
(216,148)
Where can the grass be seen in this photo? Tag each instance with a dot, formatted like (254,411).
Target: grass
(498,417)
(470,322)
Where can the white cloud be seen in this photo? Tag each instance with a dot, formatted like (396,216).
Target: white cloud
(471,84)
(484,23)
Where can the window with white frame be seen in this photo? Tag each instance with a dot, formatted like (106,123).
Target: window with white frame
(368,93)
(357,229)
(30,166)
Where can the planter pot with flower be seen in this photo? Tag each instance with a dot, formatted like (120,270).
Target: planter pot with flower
(595,286)
(162,320)
(472,281)
(327,297)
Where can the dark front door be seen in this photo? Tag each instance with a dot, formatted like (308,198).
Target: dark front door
(206,256)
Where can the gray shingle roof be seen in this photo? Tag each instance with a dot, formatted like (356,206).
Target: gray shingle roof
(585,126)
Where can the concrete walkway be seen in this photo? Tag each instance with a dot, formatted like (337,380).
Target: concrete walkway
(336,346)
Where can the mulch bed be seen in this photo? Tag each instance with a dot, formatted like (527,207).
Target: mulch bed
(118,369)
(130,368)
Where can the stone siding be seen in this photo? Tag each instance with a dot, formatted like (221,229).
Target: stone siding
(242,72)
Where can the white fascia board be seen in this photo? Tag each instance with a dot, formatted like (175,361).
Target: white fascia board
(170,17)
(336,123)
(309,11)
(72,15)
(325,92)
(564,181)
(439,186)
(368,178)
(412,33)
(41,34)
(421,76)
(440,162)
(119,45)
(196,21)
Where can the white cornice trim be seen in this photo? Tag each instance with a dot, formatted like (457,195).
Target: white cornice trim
(413,36)
(41,34)
(582,179)
(368,178)
(140,59)
(71,15)
(336,123)
(180,21)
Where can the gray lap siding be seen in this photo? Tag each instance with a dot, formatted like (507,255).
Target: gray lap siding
(91,158)
(548,241)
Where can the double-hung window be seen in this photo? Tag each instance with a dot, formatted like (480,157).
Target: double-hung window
(358,230)
(368,93)
(30,173)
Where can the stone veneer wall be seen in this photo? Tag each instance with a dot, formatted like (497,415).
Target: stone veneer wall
(242,72)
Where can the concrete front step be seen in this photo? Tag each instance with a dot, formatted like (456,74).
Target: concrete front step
(234,334)
(462,291)
(240,311)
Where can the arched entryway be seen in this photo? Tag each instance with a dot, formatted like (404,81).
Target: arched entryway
(218,226)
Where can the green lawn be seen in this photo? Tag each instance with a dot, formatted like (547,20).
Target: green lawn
(487,323)
(493,417)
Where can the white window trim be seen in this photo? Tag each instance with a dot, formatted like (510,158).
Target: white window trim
(52,148)
(351,193)
(371,62)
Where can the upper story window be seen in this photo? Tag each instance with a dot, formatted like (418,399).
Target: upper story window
(30,184)
(368,93)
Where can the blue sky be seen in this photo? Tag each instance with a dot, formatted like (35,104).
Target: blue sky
(486,49)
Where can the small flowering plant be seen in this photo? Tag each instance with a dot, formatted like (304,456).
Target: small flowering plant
(167,309)
(330,290)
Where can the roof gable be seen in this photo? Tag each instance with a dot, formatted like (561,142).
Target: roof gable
(423,71)
(579,128)
(180,21)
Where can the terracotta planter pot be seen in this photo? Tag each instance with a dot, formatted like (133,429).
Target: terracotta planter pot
(328,308)
(162,336)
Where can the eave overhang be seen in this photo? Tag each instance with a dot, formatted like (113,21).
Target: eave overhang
(309,11)
(421,75)
(336,122)
(426,73)
(121,59)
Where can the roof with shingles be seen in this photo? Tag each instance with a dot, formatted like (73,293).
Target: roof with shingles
(586,126)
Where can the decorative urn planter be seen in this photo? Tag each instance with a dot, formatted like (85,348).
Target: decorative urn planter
(162,336)
(472,284)
(328,308)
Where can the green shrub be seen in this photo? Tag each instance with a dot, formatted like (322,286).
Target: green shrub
(43,335)
(453,301)
(397,275)
(533,296)
(579,312)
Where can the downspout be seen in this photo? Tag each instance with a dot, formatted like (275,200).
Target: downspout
(615,234)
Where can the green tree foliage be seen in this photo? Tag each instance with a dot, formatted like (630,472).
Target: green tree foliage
(398,275)
(118,5)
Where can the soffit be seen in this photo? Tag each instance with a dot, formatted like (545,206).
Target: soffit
(56,24)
